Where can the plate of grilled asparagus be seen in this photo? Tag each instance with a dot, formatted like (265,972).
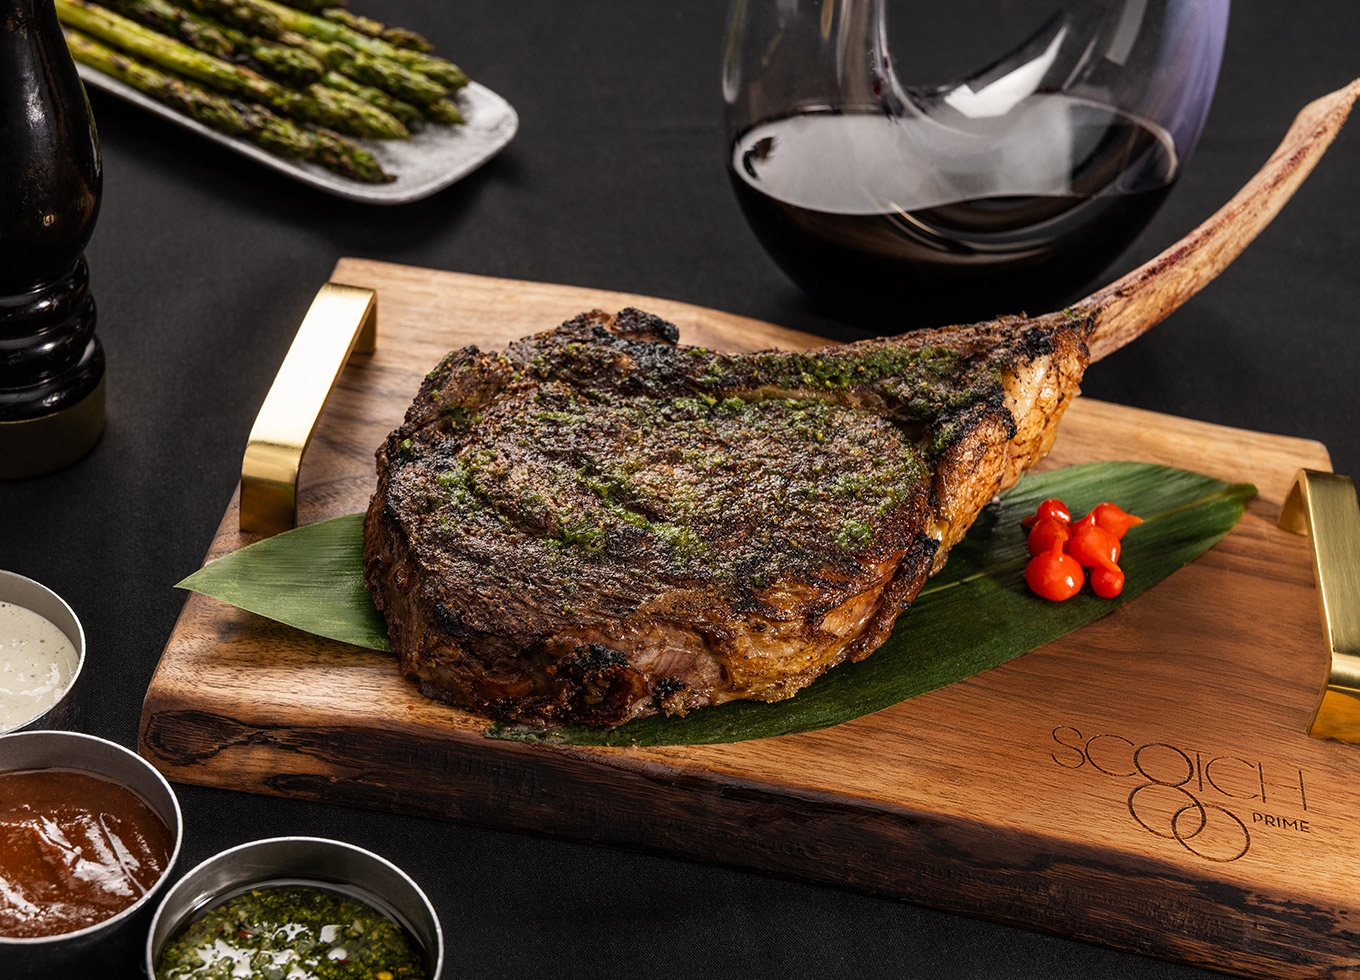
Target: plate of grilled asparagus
(345,103)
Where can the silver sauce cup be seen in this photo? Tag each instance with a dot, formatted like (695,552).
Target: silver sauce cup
(329,864)
(17,590)
(89,952)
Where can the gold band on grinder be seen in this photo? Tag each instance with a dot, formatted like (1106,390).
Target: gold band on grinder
(33,447)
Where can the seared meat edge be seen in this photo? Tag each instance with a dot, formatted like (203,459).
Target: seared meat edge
(600,524)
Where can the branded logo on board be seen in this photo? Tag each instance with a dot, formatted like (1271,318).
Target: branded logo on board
(1209,804)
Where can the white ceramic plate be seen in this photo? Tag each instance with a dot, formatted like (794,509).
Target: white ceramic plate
(428,162)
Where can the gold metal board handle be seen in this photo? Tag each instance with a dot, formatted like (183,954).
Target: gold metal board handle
(342,319)
(1324,506)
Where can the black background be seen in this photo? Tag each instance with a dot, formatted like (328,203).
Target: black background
(203,265)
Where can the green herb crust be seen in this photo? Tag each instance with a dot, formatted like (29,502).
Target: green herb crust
(732,468)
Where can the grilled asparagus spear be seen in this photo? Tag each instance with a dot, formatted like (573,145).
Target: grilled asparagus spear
(277,135)
(166,17)
(281,62)
(411,116)
(241,14)
(375,74)
(301,61)
(316,104)
(361,60)
(399,37)
(368,69)
(444,111)
(444,72)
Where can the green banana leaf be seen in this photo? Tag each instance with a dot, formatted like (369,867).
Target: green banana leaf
(974,615)
(311,577)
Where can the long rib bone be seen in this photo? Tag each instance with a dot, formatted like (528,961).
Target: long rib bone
(1129,307)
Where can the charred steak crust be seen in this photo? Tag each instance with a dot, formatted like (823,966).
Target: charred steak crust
(600,524)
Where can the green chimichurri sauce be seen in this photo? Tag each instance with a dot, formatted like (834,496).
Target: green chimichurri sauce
(290,932)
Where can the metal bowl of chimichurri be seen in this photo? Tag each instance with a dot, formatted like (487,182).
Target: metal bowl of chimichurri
(290,908)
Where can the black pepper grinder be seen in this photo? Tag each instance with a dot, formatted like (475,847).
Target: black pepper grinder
(51,363)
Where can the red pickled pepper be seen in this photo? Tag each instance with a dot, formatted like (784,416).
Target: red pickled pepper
(1114,520)
(1051,507)
(1092,545)
(1107,581)
(1054,574)
(1043,533)
(1062,548)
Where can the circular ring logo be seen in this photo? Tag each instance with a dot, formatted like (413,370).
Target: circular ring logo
(1174,813)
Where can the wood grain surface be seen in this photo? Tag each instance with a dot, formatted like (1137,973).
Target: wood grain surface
(1146,782)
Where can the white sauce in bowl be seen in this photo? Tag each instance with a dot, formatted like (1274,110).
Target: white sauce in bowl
(37,662)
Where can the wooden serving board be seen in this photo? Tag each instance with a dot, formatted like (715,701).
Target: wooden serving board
(1147,782)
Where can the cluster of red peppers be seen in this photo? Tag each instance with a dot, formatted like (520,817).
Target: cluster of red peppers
(1064,549)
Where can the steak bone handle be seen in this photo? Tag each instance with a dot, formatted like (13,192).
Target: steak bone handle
(1323,506)
(341,320)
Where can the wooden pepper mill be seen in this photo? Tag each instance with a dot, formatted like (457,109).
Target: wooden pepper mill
(51,363)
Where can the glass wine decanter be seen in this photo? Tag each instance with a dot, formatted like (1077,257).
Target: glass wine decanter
(928,190)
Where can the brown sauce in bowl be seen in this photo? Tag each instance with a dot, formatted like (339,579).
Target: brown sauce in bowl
(75,849)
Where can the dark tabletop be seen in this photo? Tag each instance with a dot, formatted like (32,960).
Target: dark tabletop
(203,264)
